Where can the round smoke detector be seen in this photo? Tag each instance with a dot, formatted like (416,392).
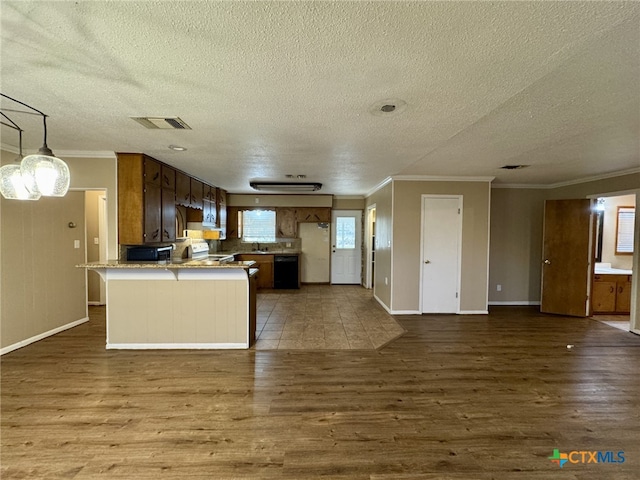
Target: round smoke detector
(388,106)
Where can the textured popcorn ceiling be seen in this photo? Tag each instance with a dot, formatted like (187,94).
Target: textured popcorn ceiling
(276,88)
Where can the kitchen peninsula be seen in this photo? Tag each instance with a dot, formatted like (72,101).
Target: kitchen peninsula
(189,304)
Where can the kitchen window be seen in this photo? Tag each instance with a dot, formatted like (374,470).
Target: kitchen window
(258,225)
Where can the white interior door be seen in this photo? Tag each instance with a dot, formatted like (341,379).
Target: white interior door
(441,241)
(346,243)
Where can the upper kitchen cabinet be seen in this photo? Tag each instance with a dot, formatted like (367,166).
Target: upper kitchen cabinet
(313,214)
(183,189)
(286,222)
(189,191)
(209,209)
(197,190)
(221,204)
(146,200)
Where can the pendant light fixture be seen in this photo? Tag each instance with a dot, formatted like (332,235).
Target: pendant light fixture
(40,174)
(11,182)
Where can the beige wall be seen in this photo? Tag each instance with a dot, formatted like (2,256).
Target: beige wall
(383,200)
(99,174)
(40,288)
(348,203)
(516,233)
(407,220)
(249,200)
(516,245)
(609,231)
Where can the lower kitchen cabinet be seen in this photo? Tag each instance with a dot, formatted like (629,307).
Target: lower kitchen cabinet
(253,304)
(264,264)
(611,294)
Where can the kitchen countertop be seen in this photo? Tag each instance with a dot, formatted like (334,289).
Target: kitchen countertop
(262,252)
(172,265)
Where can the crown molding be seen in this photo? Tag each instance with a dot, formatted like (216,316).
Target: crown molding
(63,153)
(437,178)
(595,178)
(578,181)
(381,185)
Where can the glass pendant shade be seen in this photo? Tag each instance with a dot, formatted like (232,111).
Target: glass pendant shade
(12,184)
(46,175)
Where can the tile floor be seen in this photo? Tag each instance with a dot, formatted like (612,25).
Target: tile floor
(323,317)
(621,322)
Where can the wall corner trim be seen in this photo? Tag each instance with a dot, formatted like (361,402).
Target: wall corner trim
(41,336)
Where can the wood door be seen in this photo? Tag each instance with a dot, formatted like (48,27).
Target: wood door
(441,253)
(567,267)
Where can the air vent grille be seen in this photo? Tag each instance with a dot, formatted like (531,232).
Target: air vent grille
(162,123)
(514,167)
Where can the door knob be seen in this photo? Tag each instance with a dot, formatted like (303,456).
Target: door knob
(427,261)
(547,262)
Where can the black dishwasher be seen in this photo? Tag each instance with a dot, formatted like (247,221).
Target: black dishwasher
(285,271)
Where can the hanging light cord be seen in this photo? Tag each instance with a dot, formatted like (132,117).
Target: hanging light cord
(15,126)
(44,118)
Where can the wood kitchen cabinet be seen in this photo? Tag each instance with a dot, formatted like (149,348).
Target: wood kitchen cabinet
(232,223)
(264,264)
(221,205)
(313,214)
(189,191)
(146,200)
(209,208)
(611,294)
(286,223)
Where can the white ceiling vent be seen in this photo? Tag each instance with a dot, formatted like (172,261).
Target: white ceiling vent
(164,123)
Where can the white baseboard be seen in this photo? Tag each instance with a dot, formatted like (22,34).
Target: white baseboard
(473,312)
(176,346)
(516,303)
(94,303)
(35,338)
(637,332)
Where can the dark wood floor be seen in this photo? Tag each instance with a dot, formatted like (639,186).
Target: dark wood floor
(456,397)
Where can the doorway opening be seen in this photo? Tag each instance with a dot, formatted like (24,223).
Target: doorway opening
(96,242)
(612,278)
(370,247)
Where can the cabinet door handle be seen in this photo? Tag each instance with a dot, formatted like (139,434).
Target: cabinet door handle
(547,262)
(156,233)
(611,289)
(620,289)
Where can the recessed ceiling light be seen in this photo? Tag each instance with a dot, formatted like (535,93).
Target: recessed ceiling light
(177,148)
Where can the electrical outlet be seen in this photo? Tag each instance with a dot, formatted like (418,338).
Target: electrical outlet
(76,244)
(96,241)
(499,288)
(288,244)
